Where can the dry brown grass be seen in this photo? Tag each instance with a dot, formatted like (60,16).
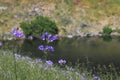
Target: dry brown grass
(68,14)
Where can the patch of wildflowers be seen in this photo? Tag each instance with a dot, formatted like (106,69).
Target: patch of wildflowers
(13,31)
(49,63)
(1,43)
(41,47)
(95,77)
(53,38)
(49,48)
(17,56)
(48,37)
(27,58)
(61,61)
(46,48)
(70,69)
(17,33)
(44,36)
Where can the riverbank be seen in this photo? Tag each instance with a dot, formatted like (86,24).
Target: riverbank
(9,36)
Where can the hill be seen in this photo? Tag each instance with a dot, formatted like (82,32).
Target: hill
(73,17)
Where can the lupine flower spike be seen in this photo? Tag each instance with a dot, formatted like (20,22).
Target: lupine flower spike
(17,33)
(1,43)
(61,61)
(46,48)
(48,37)
(49,63)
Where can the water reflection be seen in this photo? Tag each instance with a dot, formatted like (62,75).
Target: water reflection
(107,38)
(92,51)
(94,48)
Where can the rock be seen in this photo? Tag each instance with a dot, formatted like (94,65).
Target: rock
(82,25)
(18,15)
(38,10)
(32,13)
(114,34)
(83,34)
(69,36)
(96,34)
(30,37)
(35,11)
(88,35)
(99,35)
(2,8)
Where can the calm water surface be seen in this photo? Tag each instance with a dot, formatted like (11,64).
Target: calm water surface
(93,51)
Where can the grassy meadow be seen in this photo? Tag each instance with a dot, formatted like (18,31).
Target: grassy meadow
(18,67)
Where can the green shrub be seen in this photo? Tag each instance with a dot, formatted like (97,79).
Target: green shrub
(107,31)
(38,26)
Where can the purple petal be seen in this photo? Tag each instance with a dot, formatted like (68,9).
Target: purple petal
(1,43)
(17,33)
(44,36)
(61,61)
(51,48)
(41,47)
(49,62)
(53,38)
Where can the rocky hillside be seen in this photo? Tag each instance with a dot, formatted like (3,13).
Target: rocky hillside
(73,17)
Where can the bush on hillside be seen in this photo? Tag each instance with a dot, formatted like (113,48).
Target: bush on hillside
(107,31)
(38,26)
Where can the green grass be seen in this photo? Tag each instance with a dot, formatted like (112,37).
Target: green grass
(24,68)
(29,70)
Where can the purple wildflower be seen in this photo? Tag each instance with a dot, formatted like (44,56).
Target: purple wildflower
(53,38)
(21,35)
(13,30)
(48,37)
(61,61)
(44,36)
(95,77)
(46,48)
(1,43)
(41,47)
(49,63)
(17,33)
(49,48)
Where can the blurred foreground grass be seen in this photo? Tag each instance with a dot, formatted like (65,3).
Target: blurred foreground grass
(17,67)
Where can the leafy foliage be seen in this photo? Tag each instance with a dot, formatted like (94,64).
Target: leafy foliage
(38,26)
(107,31)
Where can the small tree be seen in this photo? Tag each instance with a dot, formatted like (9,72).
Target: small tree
(38,26)
(107,31)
